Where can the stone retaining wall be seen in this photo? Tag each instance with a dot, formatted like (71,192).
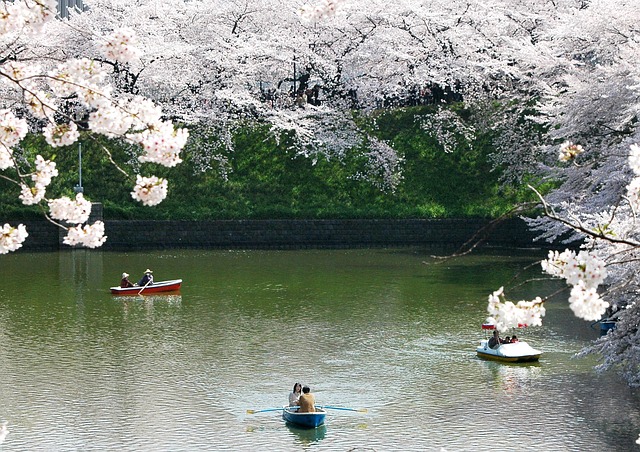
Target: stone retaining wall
(290,234)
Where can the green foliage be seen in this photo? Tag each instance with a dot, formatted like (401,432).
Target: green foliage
(267,179)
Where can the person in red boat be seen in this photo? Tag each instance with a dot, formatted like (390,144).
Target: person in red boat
(124,282)
(147,278)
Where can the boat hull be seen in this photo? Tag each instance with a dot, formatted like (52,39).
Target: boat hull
(158,287)
(519,352)
(305,420)
(605,326)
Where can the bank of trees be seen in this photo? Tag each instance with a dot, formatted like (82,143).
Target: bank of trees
(543,76)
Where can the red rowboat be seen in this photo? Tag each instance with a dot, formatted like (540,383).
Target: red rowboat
(157,287)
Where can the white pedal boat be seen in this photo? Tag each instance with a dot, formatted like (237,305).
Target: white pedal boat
(514,352)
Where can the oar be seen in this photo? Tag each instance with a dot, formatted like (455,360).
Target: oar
(263,411)
(359,410)
(145,286)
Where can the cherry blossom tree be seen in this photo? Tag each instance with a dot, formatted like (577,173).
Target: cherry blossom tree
(215,62)
(588,103)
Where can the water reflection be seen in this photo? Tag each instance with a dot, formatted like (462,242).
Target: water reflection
(80,269)
(172,300)
(148,303)
(307,436)
(512,377)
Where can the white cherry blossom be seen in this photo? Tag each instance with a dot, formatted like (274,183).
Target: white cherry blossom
(586,303)
(41,104)
(6,158)
(26,16)
(74,88)
(72,211)
(634,158)
(24,74)
(12,129)
(149,190)
(322,9)
(505,314)
(11,238)
(586,269)
(61,134)
(556,262)
(45,171)
(162,144)
(121,45)
(633,192)
(32,195)
(569,151)
(91,236)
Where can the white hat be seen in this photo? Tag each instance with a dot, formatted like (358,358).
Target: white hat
(125,275)
(148,271)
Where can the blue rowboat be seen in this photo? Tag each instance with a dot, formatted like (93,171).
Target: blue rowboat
(308,420)
(606,325)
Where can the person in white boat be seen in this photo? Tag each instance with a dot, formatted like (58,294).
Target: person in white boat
(294,396)
(494,341)
(147,278)
(514,338)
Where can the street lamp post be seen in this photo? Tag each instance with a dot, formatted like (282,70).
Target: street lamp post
(78,188)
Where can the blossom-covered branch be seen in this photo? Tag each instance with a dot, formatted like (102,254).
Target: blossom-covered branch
(45,91)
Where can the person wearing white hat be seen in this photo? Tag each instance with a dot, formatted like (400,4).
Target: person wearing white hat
(124,282)
(147,278)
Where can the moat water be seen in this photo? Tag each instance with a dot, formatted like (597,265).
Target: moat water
(392,331)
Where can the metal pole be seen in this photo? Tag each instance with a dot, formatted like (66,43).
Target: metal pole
(80,163)
(78,188)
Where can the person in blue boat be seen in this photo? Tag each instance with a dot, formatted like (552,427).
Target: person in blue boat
(147,278)
(307,401)
(294,396)
(124,282)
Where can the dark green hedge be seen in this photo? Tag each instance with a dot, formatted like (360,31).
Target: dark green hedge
(267,180)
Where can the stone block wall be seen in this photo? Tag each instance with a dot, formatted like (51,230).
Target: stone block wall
(289,234)
(299,234)
(42,235)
